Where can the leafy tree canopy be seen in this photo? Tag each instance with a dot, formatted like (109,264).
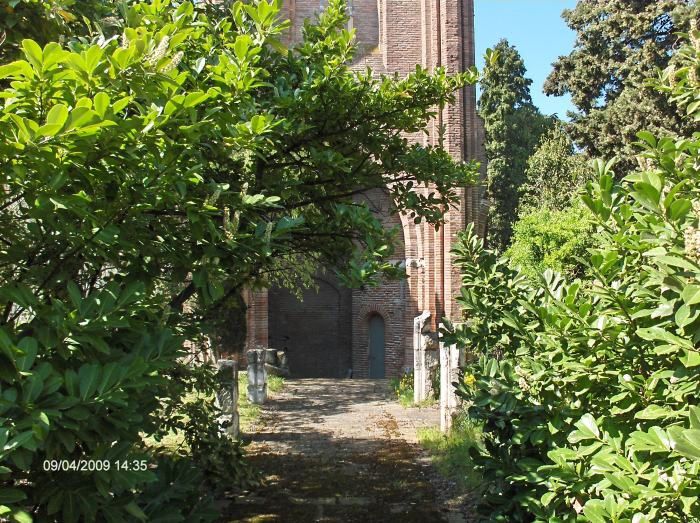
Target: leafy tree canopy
(183,156)
(620,44)
(553,239)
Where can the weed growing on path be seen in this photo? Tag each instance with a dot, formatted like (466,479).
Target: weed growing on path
(450,452)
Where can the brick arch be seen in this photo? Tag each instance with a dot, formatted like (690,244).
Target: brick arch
(368,309)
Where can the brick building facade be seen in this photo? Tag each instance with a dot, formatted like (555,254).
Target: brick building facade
(371,331)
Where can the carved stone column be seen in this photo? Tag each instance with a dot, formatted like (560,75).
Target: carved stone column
(257,376)
(420,367)
(227,396)
(449,368)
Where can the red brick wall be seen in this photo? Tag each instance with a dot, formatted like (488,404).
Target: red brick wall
(391,300)
(393,36)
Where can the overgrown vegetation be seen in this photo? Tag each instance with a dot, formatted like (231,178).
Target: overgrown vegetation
(550,239)
(176,443)
(588,388)
(172,157)
(555,174)
(451,453)
(403,388)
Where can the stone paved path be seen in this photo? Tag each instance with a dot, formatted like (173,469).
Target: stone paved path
(341,451)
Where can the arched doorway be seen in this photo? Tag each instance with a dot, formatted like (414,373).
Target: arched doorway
(376,346)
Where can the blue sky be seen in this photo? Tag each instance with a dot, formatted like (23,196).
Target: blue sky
(539,33)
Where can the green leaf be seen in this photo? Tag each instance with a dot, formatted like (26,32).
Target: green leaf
(55,121)
(18,293)
(22,517)
(691,294)
(57,115)
(682,316)
(194,98)
(655,412)
(679,209)
(75,294)
(647,195)
(694,416)
(687,442)
(22,439)
(647,137)
(594,510)
(547,498)
(29,348)
(659,334)
(88,376)
(690,359)
(101,104)
(241,46)
(133,509)
(71,382)
(11,495)
(19,68)
(33,53)
(588,426)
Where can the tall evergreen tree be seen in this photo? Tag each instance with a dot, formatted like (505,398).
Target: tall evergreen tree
(513,128)
(619,44)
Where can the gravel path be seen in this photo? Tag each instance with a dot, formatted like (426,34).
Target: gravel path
(342,451)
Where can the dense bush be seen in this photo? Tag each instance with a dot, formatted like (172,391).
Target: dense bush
(555,174)
(589,389)
(181,158)
(551,239)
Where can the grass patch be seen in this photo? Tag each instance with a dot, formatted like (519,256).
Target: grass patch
(248,412)
(275,383)
(450,452)
(403,394)
(403,388)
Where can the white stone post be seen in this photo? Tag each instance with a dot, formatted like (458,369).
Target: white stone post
(420,371)
(449,368)
(227,396)
(257,376)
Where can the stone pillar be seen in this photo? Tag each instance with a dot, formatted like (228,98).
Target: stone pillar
(257,376)
(449,368)
(227,396)
(420,368)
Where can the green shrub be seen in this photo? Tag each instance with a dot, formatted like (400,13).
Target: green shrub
(589,390)
(555,174)
(549,239)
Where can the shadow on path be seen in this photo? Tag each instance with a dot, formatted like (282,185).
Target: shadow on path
(340,451)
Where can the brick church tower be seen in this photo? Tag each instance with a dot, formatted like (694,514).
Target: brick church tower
(334,329)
